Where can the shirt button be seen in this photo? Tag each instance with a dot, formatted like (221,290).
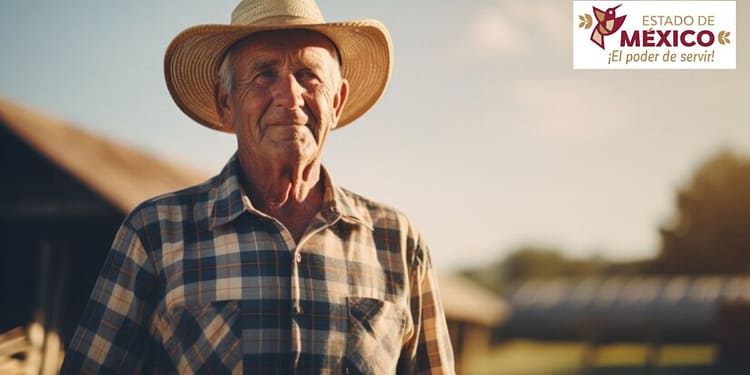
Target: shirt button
(298,257)
(297,310)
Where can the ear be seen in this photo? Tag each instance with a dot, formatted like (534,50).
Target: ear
(339,100)
(224,107)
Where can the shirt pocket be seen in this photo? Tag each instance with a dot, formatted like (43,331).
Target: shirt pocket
(375,336)
(206,338)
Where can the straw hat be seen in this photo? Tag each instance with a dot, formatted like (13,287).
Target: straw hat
(192,59)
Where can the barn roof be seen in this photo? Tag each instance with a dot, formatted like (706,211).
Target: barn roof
(122,175)
(465,301)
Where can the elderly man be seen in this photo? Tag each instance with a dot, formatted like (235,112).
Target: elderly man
(269,267)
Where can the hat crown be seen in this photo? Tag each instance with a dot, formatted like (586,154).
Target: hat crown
(255,12)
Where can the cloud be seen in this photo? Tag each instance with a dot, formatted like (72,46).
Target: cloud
(518,27)
(550,20)
(493,32)
(569,109)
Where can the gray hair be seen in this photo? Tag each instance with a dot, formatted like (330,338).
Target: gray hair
(226,72)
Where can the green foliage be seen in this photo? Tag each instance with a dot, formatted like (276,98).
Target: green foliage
(709,234)
(710,231)
(534,262)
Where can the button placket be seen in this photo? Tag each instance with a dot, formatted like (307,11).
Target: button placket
(296,312)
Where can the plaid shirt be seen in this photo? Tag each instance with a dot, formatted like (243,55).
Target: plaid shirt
(199,281)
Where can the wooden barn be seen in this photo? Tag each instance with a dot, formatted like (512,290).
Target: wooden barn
(64,194)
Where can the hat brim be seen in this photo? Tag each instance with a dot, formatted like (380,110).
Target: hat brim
(192,60)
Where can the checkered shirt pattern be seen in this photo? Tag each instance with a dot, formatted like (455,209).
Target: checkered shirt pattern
(199,281)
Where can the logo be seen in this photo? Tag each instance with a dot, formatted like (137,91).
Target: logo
(608,24)
(654,34)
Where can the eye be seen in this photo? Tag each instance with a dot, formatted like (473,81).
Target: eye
(307,75)
(265,76)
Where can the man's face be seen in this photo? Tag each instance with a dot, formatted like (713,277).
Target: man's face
(287,95)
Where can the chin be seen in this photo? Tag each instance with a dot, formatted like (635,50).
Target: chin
(296,155)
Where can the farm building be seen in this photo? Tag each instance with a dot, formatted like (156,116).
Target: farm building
(472,313)
(66,193)
(648,309)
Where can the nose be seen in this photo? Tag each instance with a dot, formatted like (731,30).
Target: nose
(287,92)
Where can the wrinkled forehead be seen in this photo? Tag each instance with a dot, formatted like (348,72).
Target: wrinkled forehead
(284,41)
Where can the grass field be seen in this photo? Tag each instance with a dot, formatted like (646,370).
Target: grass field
(566,358)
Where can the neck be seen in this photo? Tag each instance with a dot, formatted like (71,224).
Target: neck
(291,194)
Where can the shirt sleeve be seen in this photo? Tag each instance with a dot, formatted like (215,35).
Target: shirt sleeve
(429,350)
(112,335)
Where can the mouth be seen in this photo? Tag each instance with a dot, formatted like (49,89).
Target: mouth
(288,124)
(293,130)
(288,121)
(292,121)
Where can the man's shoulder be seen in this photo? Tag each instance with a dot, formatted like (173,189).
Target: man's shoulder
(371,205)
(179,205)
(380,214)
(393,230)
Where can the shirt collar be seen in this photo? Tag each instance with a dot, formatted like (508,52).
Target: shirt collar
(340,202)
(229,201)
(226,195)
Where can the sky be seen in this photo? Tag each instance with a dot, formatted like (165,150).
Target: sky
(486,137)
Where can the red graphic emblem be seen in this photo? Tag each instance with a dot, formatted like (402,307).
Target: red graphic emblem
(608,24)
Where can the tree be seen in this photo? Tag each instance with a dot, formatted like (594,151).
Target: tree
(534,262)
(710,230)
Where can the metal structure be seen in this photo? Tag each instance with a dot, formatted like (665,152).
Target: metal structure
(670,309)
